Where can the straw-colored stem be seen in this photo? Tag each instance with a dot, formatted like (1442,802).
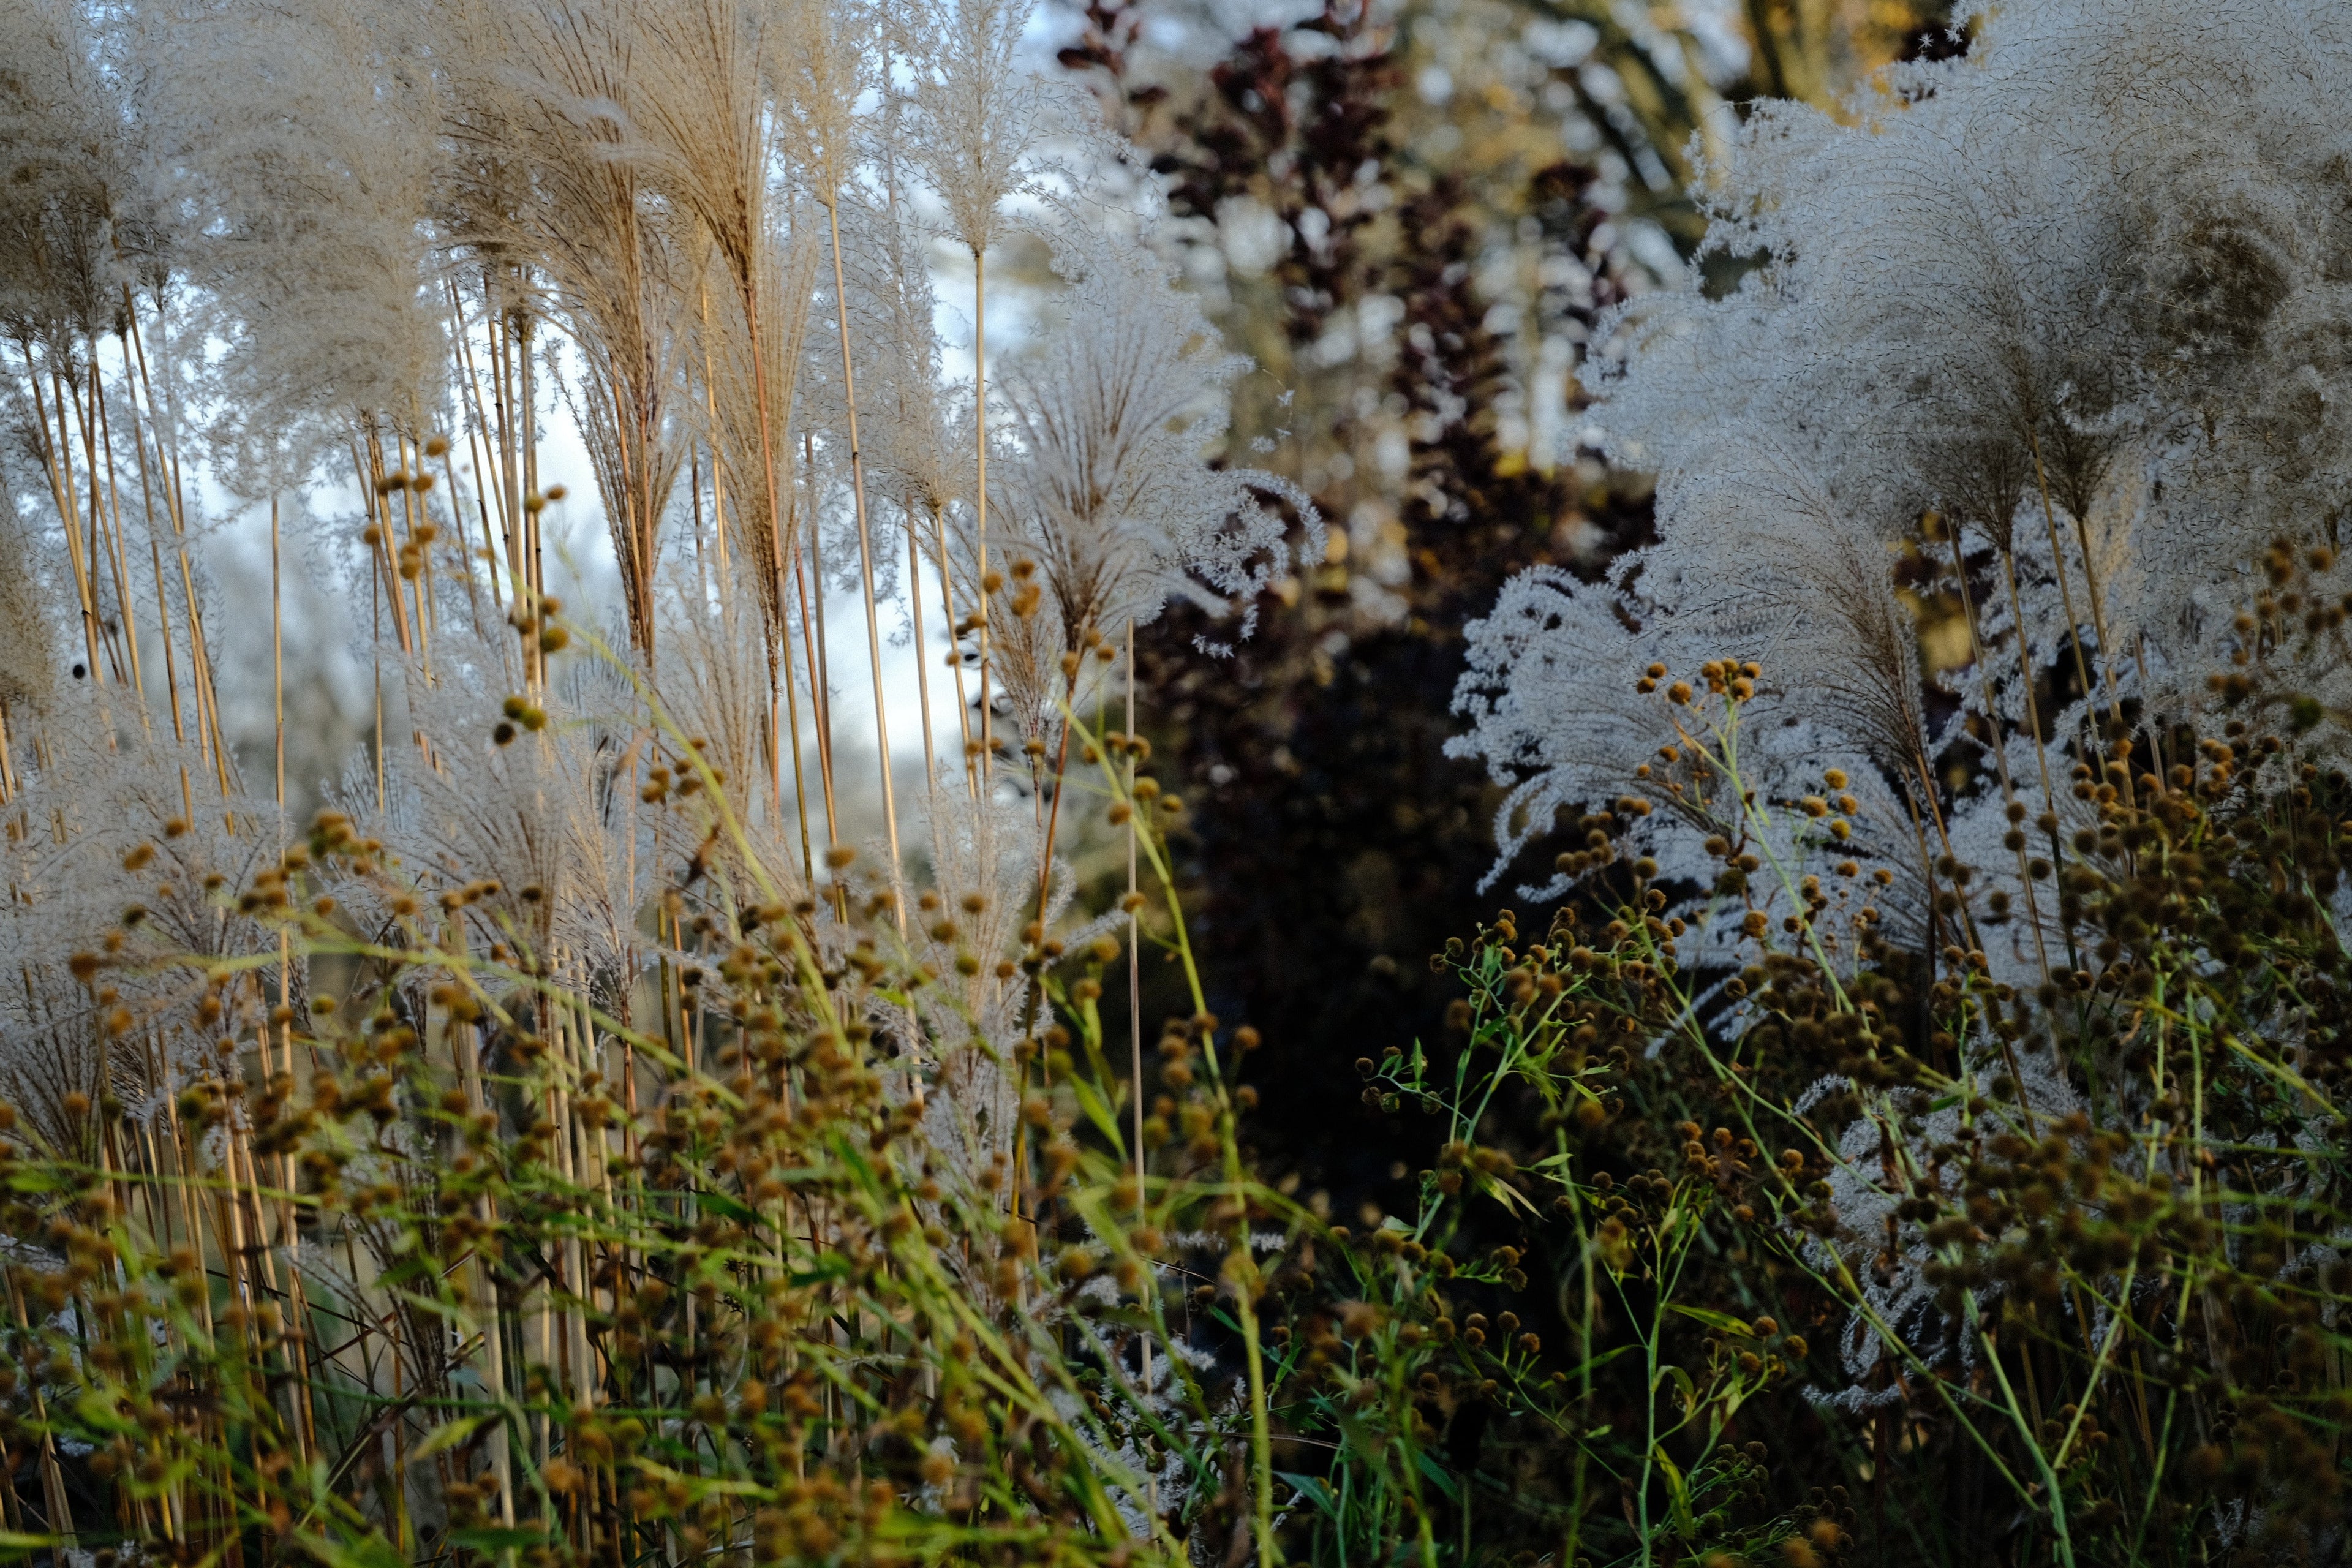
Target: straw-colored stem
(101,552)
(922,665)
(171,657)
(979,496)
(278,652)
(864,548)
(820,683)
(955,654)
(114,528)
(154,546)
(781,635)
(57,461)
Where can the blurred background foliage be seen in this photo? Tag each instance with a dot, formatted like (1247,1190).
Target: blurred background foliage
(1412,216)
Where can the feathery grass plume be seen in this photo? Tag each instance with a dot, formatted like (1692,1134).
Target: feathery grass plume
(2065,298)
(28,629)
(981,130)
(701,125)
(750,361)
(548,89)
(917,425)
(118,904)
(525,833)
(1550,689)
(72,216)
(302,146)
(1968,300)
(978,132)
(825,67)
(918,430)
(1109,501)
(705,128)
(718,690)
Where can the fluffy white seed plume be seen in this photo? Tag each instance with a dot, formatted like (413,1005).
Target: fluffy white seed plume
(1104,485)
(98,841)
(1550,685)
(544,835)
(2066,290)
(980,128)
(984,852)
(916,425)
(540,115)
(2077,297)
(74,223)
(704,125)
(303,144)
(718,691)
(27,632)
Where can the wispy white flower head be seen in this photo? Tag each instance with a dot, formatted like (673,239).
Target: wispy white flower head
(984,130)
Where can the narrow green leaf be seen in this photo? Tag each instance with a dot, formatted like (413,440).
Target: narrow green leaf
(443,1438)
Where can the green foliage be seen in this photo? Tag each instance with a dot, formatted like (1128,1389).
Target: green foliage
(1704,1266)
(2080,1247)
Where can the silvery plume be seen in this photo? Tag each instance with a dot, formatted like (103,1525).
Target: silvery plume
(2060,319)
(1108,499)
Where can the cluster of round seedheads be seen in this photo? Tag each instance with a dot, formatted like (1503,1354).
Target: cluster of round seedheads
(1601,1101)
(770,1266)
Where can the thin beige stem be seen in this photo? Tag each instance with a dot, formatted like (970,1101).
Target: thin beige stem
(865,551)
(820,675)
(812,641)
(955,655)
(980,445)
(781,635)
(922,666)
(154,548)
(457,533)
(114,527)
(83,422)
(58,459)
